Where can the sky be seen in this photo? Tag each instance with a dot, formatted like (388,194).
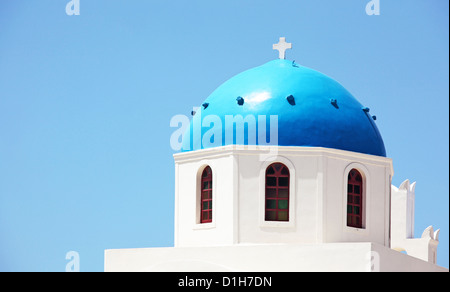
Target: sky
(86,102)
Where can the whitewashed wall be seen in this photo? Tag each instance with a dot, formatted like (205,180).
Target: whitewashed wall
(317,200)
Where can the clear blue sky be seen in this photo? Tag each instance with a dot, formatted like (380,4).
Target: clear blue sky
(85,105)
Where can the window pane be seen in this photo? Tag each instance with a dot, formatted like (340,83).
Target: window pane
(356,210)
(349,219)
(205,215)
(271,193)
(349,199)
(271,204)
(270,170)
(282,216)
(357,200)
(205,205)
(271,215)
(283,193)
(205,195)
(210,215)
(285,171)
(205,185)
(349,209)
(271,181)
(277,166)
(283,181)
(357,189)
(352,173)
(282,204)
(350,188)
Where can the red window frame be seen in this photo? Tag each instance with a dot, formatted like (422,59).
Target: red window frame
(355,199)
(277,192)
(206,196)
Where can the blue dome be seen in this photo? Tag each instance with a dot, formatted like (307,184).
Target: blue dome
(312,110)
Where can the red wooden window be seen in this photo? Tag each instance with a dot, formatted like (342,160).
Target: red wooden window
(206,196)
(277,193)
(354,199)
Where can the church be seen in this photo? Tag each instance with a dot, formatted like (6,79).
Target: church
(282,169)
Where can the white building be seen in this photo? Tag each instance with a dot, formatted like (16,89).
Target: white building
(282,169)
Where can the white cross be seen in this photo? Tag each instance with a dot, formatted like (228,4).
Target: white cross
(282,46)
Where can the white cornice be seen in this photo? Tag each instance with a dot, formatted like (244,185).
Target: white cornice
(228,150)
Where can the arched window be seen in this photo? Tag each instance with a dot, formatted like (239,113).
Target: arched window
(355,199)
(277,193)
(206,196)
